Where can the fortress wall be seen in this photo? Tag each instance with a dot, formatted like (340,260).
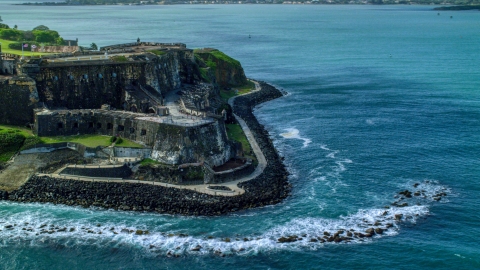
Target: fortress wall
(179,145)
(8,67)
(90,84)
(64,123)
(170,144)
(18,96)
(86,86)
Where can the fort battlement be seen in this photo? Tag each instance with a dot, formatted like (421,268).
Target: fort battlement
(145,44)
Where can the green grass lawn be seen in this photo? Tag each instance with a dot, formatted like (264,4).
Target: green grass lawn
(5,49)
(235,132)
(21,130)
(128,143)
(147,161)
(15,138)
(87,140)
(226,94)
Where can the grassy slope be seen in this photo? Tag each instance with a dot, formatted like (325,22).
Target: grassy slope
(235,132)
(5,49)
(226,94)
(13,138)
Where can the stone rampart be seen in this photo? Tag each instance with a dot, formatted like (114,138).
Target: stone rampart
(170,143)
(18,98)
(89,84)
(136,44)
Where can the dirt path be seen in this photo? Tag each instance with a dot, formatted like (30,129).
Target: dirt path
(24,166)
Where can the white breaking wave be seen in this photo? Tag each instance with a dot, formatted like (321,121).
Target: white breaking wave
(39,228)
(293,133)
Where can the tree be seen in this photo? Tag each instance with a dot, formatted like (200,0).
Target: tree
(10,34)
(4,26)
(42,28)
(28,35)
(93,46)
(48,36)
(15,27)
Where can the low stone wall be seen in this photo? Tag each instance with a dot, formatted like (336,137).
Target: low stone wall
(123,172)
(57,49)
(269,188)
(212,177)
(132,152)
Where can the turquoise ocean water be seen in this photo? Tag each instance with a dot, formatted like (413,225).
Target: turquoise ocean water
(380,98)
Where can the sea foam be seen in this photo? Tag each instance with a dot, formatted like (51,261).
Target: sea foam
(39,228)
(293,133)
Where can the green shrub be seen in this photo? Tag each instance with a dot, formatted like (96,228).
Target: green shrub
(10,143)
(18,46)
(119,140)
(31,141)
(119,58)
(113,139)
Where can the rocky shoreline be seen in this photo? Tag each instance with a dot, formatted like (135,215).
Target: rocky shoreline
(271,187)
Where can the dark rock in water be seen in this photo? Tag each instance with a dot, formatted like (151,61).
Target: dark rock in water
(437,198)
(406,193)
(349,234)
(378,230)
(416,185)
(398,216)
(326,233)
(289,239)
(313,240)
(197,248)
(389,225)
(416,193)
(370,230)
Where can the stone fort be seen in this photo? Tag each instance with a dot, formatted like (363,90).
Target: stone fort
(151,93)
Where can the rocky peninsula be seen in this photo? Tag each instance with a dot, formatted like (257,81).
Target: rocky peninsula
(271,187)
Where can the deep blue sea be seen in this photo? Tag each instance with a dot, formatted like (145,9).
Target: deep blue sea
(379,98)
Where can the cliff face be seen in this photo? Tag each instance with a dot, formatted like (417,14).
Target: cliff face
(228,71)
(18,97)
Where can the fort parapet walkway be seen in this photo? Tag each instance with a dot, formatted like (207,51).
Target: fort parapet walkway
(202,188)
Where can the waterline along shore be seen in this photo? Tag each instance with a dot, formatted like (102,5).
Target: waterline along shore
(269,188)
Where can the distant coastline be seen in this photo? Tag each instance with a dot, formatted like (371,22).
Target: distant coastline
(471,7)
(454,5)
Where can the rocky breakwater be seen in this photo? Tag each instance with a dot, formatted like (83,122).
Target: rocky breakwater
(270,187)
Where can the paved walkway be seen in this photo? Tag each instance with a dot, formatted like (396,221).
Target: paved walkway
(203,188)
